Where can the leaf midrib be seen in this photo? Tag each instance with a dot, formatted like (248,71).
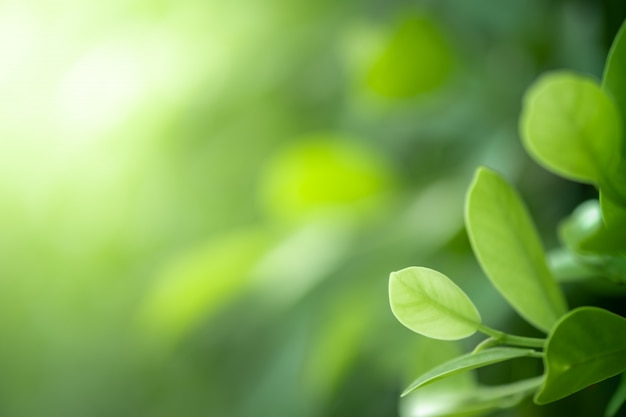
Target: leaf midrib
(599,356)
(443,306)
(543,285)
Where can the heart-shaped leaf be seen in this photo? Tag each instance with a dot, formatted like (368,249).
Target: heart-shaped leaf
(586,346)
(571,127)
(509,250)
(429,303)
(468,362)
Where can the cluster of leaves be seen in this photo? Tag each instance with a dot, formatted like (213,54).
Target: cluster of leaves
(573,126)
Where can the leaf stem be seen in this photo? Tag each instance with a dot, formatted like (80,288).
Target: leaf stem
(509,339)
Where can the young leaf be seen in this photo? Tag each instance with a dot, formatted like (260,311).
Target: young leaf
(586,346)
(429,303)
(613,80)
(467,362)
(571,127)
(508,248)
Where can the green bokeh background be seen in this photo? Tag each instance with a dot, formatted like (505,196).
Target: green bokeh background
(201,201)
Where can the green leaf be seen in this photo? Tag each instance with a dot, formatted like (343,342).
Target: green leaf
(417,59)
(429,303)
(320,172)
(614,84)
(508,248)
(568,266)
(613,186)
(197,283)
(609,236)
(617,400)
(468,362)
(571,127)
(427,354)
(586,346)
(584,222)
(613,80)
(613,214)
(595,227)
(439,400)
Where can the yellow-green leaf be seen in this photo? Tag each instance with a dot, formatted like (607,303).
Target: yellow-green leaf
(429,303)
(571,127)
(508,248)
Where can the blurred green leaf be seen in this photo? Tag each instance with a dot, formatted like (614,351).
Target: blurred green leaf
(323,171)
(584,222)
(613,80)
(586,346)
(417,59)
(614,84)
(613,214)
(595,228)
(315,249)
(468,362)
(429,303)
(509,250)
(199,282)
(332,352)
(134,137)
(571,127)
(431,353)
(438,400)
(618,399)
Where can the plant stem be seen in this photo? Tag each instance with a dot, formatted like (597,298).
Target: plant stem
(509,339)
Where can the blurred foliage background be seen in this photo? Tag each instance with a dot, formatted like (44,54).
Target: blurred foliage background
(201,201)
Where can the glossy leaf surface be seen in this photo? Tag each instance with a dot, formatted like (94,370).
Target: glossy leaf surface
(468,362)
(586,346)
(508,248)
(571,127)
(429,303)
